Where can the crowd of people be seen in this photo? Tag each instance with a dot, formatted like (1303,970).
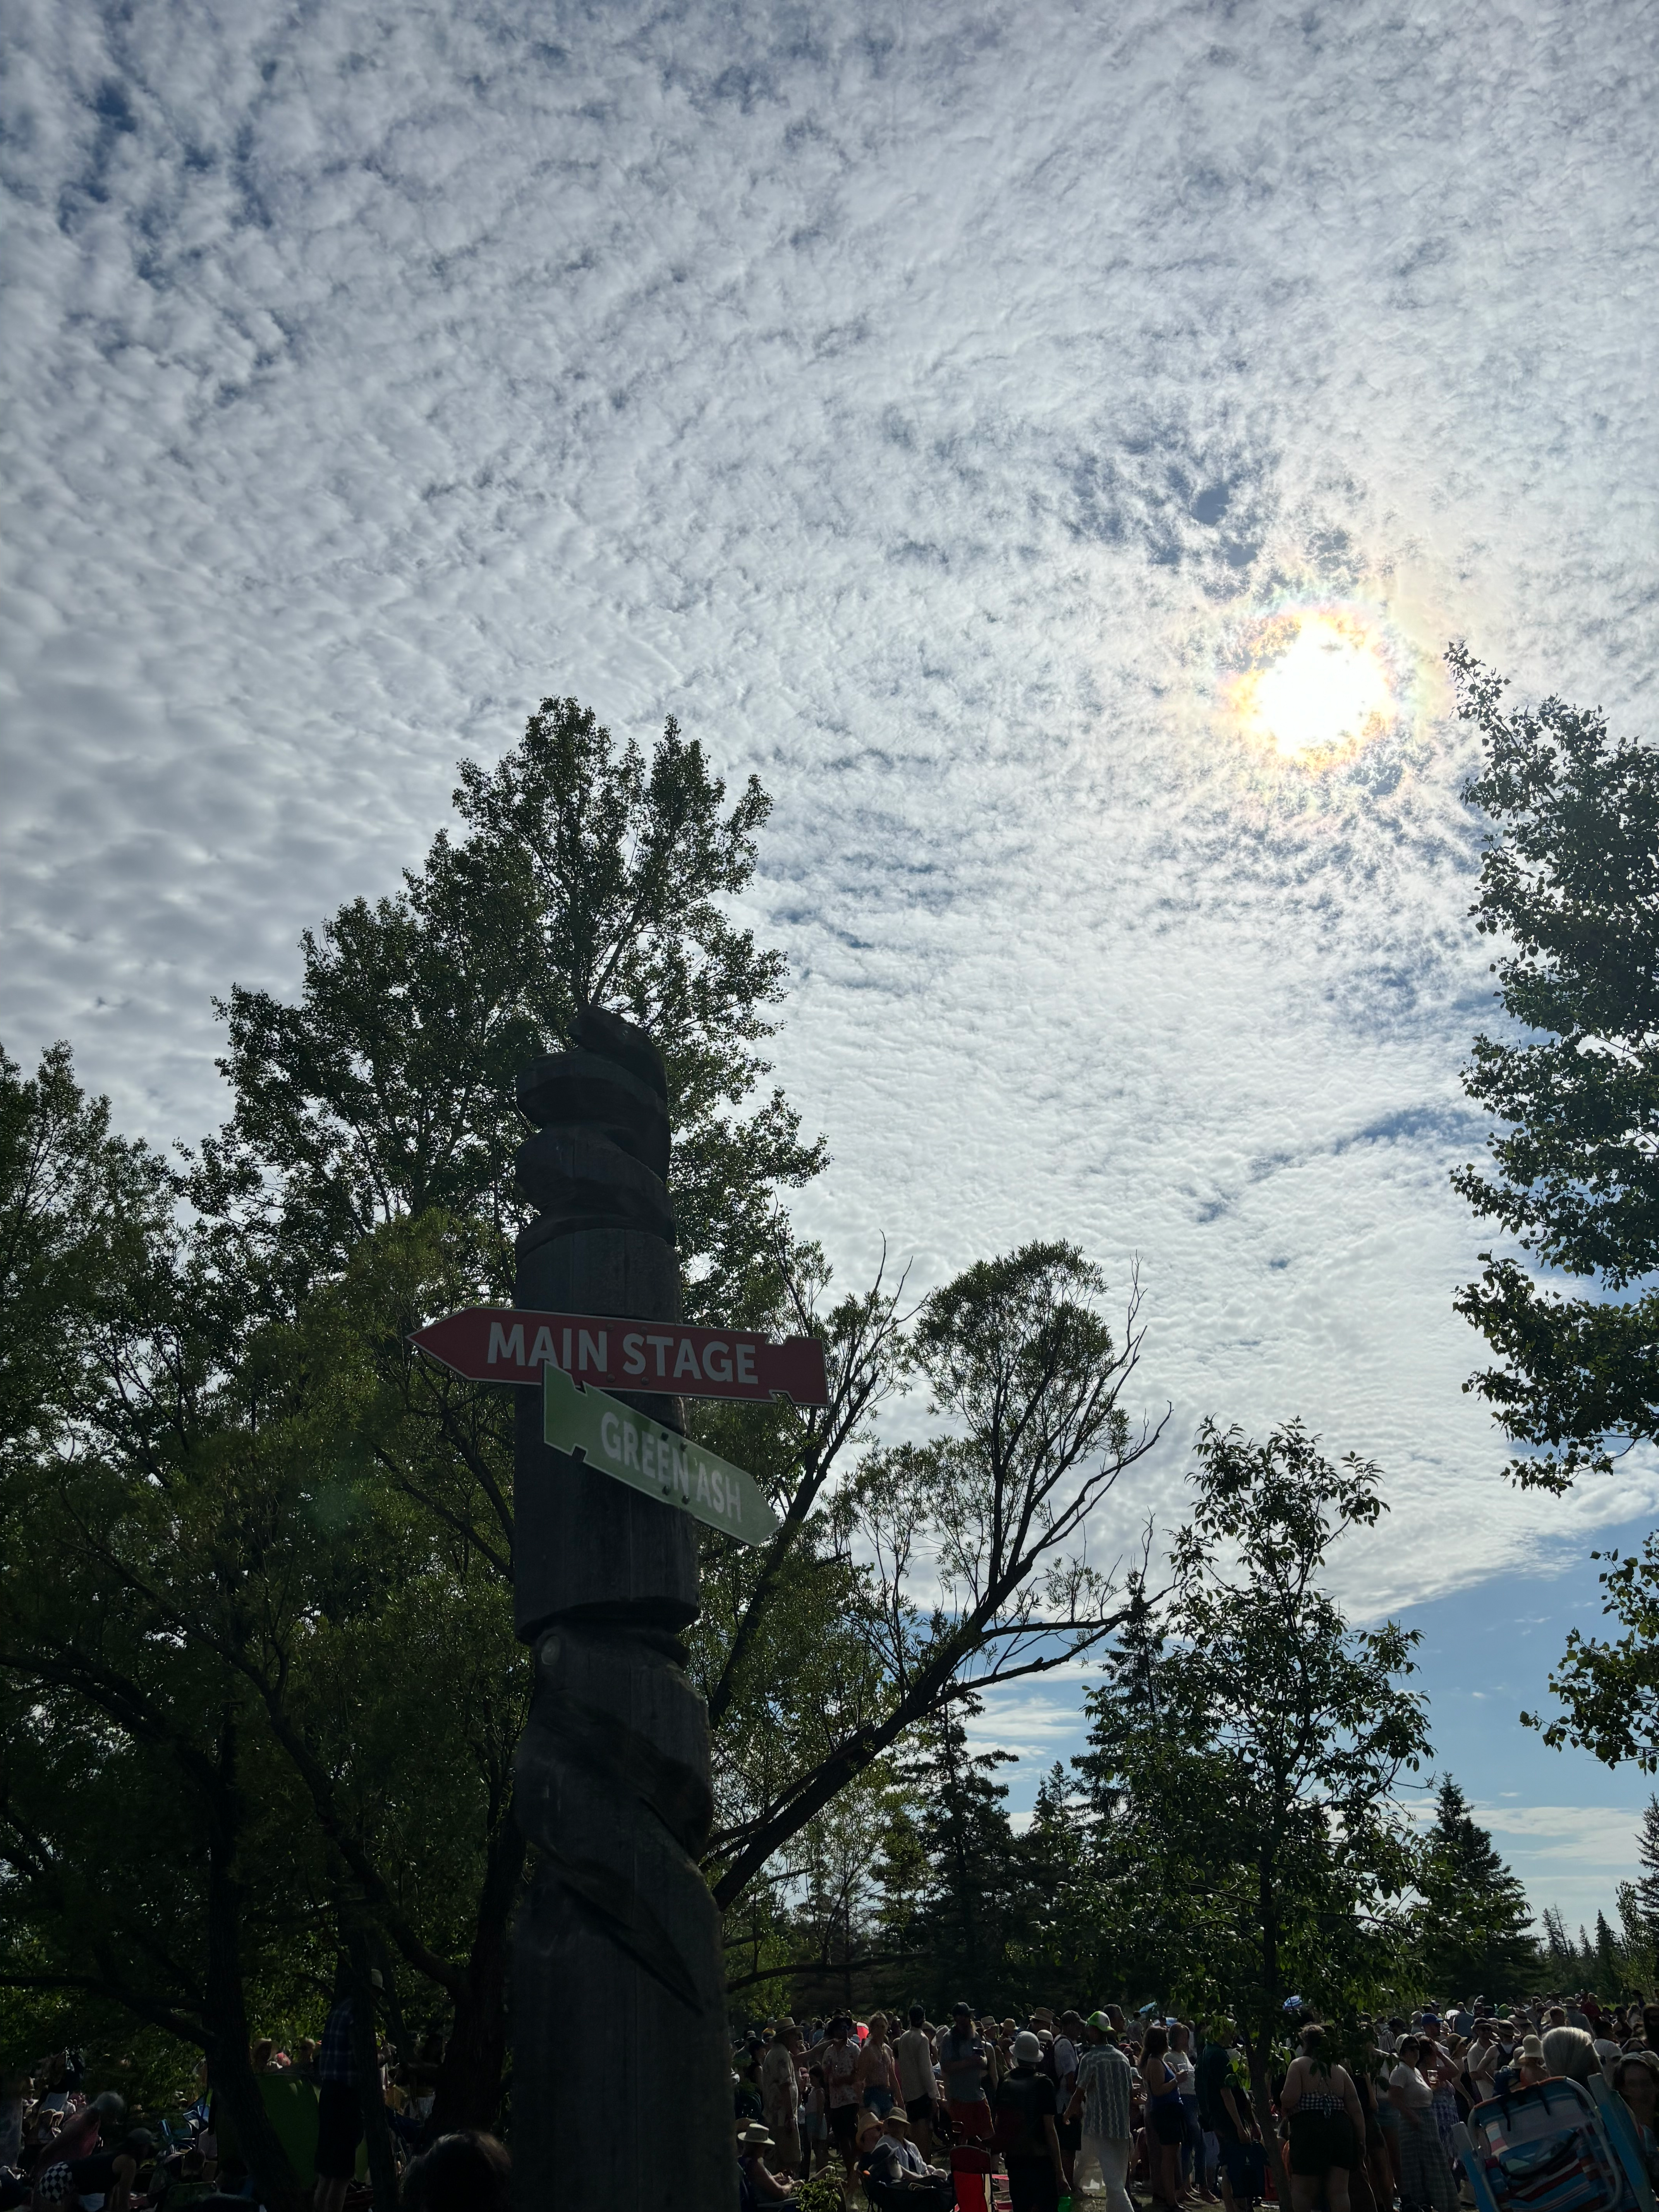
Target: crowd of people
(1057,2106)
(64,2150)
(1030,2112)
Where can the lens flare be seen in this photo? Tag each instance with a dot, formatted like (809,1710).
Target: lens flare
(1314,683)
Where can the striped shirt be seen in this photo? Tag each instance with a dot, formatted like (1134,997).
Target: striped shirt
(1104,2077)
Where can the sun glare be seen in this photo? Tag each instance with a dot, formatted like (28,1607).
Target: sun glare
(1318,683)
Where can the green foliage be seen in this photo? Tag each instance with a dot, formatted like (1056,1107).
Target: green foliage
(76,1208)
(587,878)
(1247,1770)
(1568,884)
(1027,1377)
(1474,1923)
(1609,1690)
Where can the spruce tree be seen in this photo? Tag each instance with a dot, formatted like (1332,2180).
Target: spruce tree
(1474,1922)
(967,1912)
(1647,1884)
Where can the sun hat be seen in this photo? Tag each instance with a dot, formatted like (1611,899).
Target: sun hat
(1027,2049)
(866,2120)
(755,2133)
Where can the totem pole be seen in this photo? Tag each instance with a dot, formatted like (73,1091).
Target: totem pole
(621,2062)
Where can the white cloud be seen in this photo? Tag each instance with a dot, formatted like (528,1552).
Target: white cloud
(908,405)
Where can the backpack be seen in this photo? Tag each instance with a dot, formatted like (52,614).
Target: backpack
(1017,2125)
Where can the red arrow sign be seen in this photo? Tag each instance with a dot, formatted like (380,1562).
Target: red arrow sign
(509,1343)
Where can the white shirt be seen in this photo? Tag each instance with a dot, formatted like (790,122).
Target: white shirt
(1411,2089)
(914,2053)
(1065,2063)
(1186,2073)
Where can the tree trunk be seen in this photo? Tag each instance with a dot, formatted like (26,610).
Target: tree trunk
(1258,2049)
(366,2063)
(230,2068)
(469,2091)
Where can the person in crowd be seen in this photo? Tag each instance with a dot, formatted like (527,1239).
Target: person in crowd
(1166,2123)
(1637,2081)
(1326,2125)
(1481,2061)
(105,2180)
(895,2175)
(815,2119)
(464,2172)
(1192,2148)
(877,2075)
(760,2186)
(1570,2053)
(839,2058)
(79,2135)
(339,2109)
(1061,2066)
(1442,2072)
(1425,2174)
(780,2083)
(1532,2066)
(964,2063)
(1219,2111)
(260,2057)
(1026,2134)
(913,2055)
(1370,2182)
(1102,2107)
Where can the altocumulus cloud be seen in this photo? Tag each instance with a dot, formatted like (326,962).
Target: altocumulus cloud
(914,402)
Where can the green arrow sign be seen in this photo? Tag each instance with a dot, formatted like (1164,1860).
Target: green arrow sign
(591,1426)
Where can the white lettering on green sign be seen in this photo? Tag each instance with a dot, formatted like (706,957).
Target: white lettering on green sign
(599,1429)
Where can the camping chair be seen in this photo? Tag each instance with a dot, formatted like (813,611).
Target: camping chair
(1554,2146)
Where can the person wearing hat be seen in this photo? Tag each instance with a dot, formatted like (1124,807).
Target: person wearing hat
(964,2060)
(1025,2131)
(763,2186)
(780,2085)
(1102,2109)
(896,2177)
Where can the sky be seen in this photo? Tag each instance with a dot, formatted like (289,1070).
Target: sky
(1051,446)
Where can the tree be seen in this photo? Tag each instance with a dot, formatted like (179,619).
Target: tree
(1256,1818)
(1570,883)
(77,1205)
(1028,1376)
(1647,1884)
(968,1912)
(1474,1921)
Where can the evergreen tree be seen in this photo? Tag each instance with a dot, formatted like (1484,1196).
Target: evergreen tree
(1611,1974)
(1474,1920)
(966,1914)
(1647,1884)
(1558,1945)
(1635,1937)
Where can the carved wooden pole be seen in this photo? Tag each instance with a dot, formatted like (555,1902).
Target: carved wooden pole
(621,2063)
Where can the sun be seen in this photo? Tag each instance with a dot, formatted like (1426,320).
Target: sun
(1318,684)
